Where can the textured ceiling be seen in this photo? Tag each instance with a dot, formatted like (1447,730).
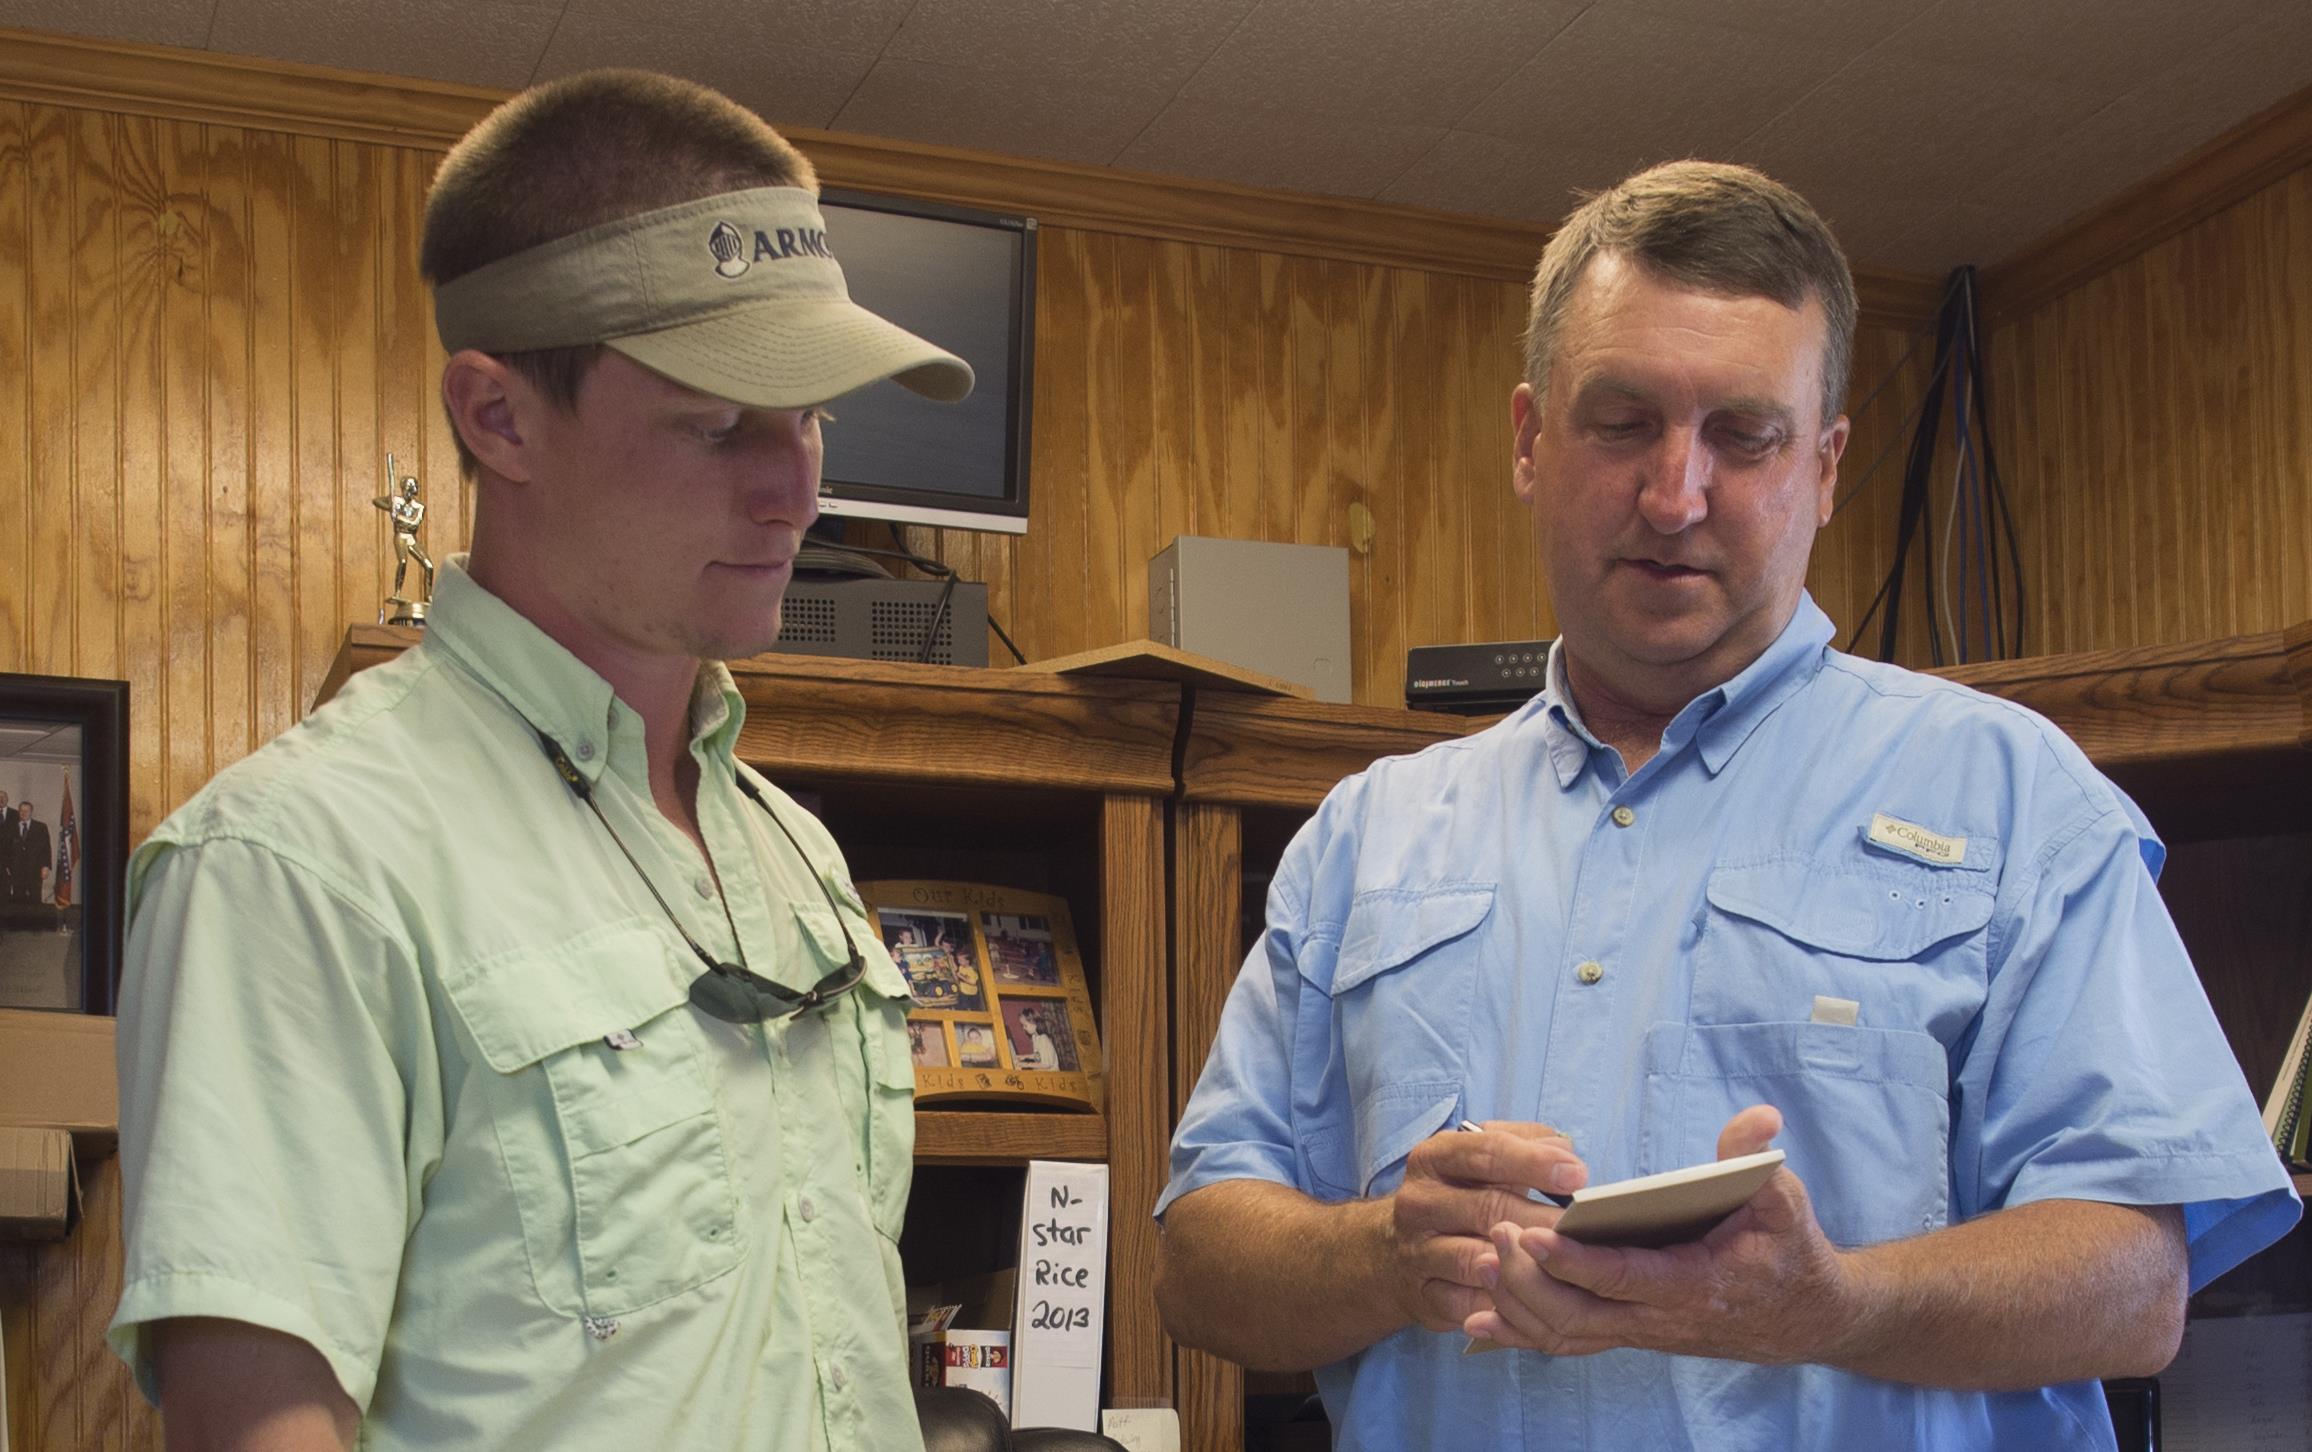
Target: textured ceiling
(1930,132)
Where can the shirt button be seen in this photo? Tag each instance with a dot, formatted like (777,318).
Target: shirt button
(1590,972)
(1623,816)
(585,751)
(807,1210)
(705,886)
(836,1376)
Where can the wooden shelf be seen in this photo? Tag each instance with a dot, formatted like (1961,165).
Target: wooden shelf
(984,1137)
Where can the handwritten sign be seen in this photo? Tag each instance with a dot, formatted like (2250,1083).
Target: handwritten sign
(1060,1319)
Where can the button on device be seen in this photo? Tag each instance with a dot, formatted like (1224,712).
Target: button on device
(1590,972)
(1623,816)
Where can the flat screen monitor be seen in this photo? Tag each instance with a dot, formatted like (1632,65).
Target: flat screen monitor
(966,280)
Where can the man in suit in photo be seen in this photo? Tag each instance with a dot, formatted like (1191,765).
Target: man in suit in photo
(29,863)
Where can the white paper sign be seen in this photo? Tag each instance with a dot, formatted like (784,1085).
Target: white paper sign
(1142,1429)
(1060,1320)
(2240,1384)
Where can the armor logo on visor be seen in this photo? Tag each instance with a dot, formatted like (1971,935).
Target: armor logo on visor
(729,249)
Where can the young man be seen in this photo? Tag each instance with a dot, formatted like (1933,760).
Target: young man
(503,1063)
(1713,863)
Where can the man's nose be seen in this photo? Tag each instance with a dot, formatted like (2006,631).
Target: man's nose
(1674,495)
(785,482)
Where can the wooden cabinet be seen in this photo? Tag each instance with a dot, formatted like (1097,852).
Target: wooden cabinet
(2214,740)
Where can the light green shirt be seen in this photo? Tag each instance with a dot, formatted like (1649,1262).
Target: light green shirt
(369,1094)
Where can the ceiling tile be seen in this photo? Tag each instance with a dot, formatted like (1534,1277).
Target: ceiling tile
(1489,176)
(2106,46)
(1062,41)
(1061,120)
(1408,62)
(1631,81)
(786,83)
(1889,126)
(1834,27)
(839,25)
(473,42)
(2151,127)
(153,22)
(1336,155)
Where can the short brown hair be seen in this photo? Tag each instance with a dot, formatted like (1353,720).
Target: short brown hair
(1708,226)
(576,153)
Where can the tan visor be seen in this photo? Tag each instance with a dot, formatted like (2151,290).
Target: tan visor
(738,296)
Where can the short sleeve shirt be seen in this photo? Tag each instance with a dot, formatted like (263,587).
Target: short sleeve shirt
(408,1072)
(1510,926)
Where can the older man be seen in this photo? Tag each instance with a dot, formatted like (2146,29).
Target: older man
(1717,885)
(504,1063)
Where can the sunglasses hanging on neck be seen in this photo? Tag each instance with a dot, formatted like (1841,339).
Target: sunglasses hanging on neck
(731,991)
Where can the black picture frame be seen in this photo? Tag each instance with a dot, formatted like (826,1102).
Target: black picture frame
(100,814)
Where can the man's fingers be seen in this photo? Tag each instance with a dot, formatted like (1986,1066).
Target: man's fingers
(1495,1157)
(1650,1277)
(1749,1132)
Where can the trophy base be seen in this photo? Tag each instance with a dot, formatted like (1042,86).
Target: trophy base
(398,611)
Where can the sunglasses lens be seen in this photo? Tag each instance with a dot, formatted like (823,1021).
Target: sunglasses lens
(725,998)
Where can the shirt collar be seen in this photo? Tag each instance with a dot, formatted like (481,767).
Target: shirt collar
(553,690)
(1718,721)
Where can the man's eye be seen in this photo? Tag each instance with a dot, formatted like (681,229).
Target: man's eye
(1619,428)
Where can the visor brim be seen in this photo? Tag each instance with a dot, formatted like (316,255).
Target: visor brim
(793,353)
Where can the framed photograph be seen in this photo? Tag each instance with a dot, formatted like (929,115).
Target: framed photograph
(63,841)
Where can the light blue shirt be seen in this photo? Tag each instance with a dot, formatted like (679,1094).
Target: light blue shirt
(2028,1026)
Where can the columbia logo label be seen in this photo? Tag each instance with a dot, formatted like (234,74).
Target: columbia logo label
(730,250)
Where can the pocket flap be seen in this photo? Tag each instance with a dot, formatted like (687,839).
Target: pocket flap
(530,1003)
(1894,913)
(1389,927)
(1394,1121)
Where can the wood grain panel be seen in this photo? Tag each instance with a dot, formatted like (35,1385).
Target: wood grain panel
(2155,428)
(1135,1011)
(1207,894)
(979,1137)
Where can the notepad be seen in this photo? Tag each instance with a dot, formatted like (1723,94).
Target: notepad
(1668,1208)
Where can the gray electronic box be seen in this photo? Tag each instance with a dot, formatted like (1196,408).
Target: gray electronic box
(884,620)
(1280,609)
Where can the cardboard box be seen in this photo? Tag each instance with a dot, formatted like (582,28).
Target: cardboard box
(57,1072)
(39,1189)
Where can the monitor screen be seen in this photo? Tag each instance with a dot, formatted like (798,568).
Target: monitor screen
(966,281)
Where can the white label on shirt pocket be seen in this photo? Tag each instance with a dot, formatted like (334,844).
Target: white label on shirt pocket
(1917,841)
(1836,1010)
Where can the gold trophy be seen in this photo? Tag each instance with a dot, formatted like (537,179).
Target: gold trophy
(407,511)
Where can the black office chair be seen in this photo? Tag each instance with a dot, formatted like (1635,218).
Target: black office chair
(961,1419)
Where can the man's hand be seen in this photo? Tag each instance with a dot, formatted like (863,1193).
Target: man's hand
(1765,1285)
(1457,1187)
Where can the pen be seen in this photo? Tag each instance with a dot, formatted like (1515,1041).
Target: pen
(1560,1201)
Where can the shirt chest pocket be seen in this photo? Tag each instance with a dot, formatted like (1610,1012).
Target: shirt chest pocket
(1904,942)
(617,1157)
(1384,1066)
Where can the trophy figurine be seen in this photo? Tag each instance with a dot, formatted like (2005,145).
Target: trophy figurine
(407,511)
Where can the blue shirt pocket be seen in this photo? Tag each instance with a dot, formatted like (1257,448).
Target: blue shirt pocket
(1382,1041)
(1865,1115)
(1902,940)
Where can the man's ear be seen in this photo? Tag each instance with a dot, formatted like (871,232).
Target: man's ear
(1524,428)
(1826,482)
(489,404)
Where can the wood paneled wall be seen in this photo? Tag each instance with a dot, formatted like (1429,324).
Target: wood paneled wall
(210,336)
(2155,431)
